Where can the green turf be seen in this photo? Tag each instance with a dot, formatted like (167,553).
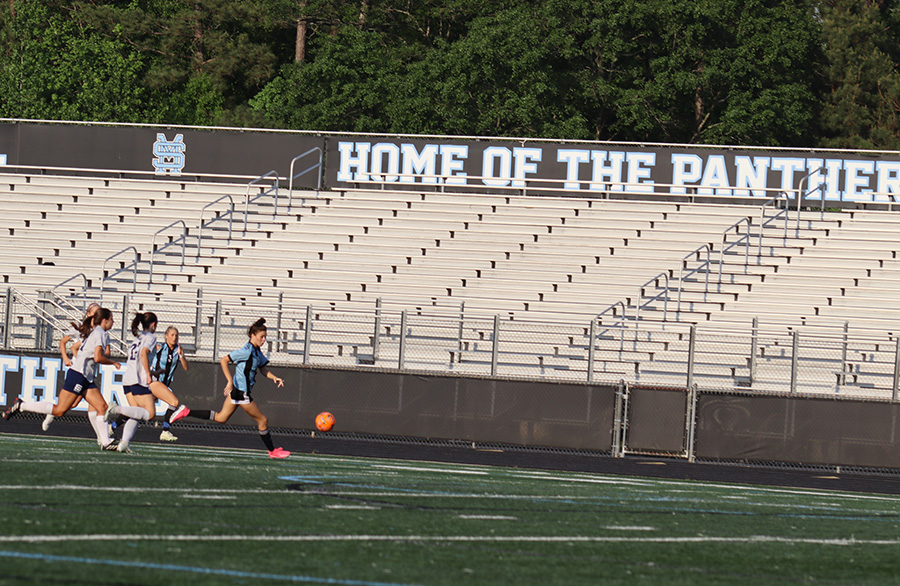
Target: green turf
(185,515)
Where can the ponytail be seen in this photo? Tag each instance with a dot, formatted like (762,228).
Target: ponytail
(257,326)
(145,320)
(92,321)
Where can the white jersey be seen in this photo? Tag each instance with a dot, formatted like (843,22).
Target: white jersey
(74,337)
(135,373)
(84,360)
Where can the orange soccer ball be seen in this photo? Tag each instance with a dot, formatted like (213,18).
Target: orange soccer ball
(324,421)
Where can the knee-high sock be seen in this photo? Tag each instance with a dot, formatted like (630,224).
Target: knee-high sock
(128,431)
(134,412)
(204,414)
(100,428)
(267,439)
(45,407)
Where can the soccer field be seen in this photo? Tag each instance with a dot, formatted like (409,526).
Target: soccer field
(71,514)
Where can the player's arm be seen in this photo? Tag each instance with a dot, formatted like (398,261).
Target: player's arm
(62,350)
(279,382)
(224,363)
(100,357)
(181,358)
(145,362)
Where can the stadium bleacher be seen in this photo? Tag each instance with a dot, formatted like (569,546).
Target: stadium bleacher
(503,284)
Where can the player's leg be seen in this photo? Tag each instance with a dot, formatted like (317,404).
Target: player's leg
(95,417)
(144,402)
(262,424)
(177,411)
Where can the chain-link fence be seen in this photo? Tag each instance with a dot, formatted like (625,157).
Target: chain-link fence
(450,339)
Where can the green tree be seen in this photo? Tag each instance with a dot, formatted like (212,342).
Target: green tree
(715,71)
(861,98)
(53,66)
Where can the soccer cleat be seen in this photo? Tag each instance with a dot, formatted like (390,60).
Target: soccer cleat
(112,411)
(124,449)
(167,436)
(180,413)
(111,446)
(47,421)
(14,410)
(279,453)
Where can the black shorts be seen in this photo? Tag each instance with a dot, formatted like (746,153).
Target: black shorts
(240,397)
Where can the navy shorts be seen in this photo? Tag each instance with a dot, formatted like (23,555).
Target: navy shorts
(76,382)
(137,390)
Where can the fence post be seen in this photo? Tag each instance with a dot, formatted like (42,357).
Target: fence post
(754,347)
(843,379)
(307,334)
(691,349)
(495,345)
(401,358)
(795,358)
(216,319)
(375,337)
(198,319)
(43,330)
(278,335)
(7,318)
(459,333)
(896,393)
(125,321)
(592,333)
(691,422)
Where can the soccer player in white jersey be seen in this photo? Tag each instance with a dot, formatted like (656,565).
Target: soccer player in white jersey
(136,381)
(81,378)
(168,355)
(74,336)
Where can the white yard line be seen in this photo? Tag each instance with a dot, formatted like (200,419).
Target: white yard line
(750,540)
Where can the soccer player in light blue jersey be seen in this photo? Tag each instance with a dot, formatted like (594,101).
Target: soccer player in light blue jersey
(248,361)
(168,355)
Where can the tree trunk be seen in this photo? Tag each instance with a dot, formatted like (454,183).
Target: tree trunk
(363,12)
(300,42)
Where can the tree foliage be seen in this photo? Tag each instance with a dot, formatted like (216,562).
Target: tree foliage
(766,72)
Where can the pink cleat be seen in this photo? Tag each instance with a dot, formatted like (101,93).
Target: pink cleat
(180,413)
(279,453)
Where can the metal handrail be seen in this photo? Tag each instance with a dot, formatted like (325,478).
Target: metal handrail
(134,272)
(291,176)
(681,275)
(262,177)
(599,319)
(84,285)
(153,250)
(230,221)
(749,222)
(801,195)
(665,292)
(39,309)
(763,222)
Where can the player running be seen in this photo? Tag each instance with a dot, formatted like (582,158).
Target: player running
(80,378)
(247,360)
(168,355)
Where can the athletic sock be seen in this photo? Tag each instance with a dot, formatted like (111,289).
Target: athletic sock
(128,431)
(99,425)
(166,418)
(45,407)
(267,439)
(134,412)
(202,414)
